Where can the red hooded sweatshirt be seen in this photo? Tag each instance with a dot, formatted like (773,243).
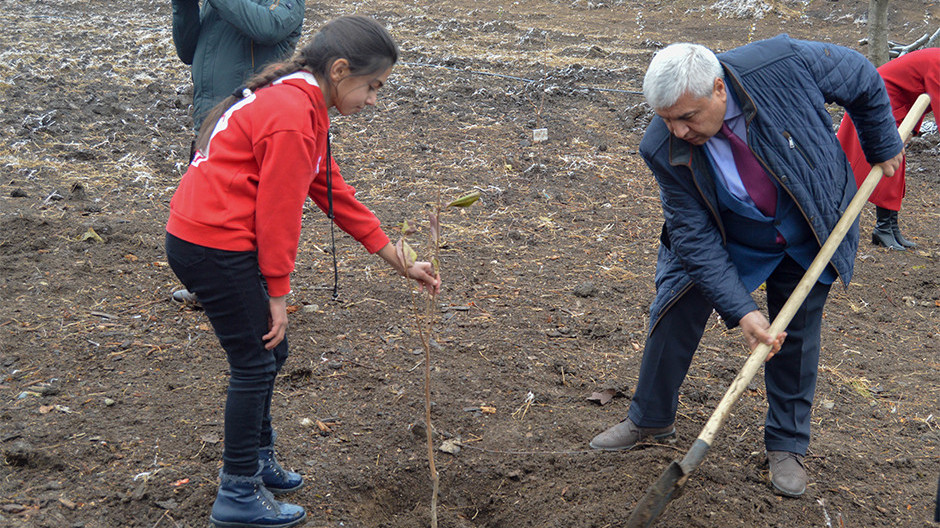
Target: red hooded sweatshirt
(246,192)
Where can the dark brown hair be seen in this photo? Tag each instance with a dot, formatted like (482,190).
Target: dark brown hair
(362,41)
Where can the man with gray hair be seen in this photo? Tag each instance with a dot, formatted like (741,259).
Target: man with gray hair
(752,181)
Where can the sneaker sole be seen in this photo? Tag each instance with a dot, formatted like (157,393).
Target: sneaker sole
(282,491)
(225,524)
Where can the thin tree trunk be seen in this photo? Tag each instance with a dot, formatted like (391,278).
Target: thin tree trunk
(878,32)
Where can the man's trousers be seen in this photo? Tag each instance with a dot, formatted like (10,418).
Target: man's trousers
(790,376)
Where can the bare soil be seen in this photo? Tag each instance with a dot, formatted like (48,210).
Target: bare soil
(111,394)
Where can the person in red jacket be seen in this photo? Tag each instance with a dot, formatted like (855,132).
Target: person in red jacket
(234,228)
(906,77)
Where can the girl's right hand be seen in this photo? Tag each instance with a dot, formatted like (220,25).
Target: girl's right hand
(423,272)
(277,322)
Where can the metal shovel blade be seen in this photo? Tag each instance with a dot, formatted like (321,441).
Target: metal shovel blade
(658,496)
(668,487)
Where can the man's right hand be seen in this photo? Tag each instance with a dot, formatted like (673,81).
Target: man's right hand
(755,328)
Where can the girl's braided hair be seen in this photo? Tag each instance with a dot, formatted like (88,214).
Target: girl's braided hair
(362,41)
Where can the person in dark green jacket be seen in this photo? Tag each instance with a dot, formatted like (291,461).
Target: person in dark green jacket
(228,41)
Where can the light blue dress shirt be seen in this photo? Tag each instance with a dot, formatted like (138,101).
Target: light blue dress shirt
(720,150)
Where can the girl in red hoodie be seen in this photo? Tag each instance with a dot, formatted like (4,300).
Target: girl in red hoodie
(234,228)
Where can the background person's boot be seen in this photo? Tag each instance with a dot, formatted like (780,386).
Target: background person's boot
(883,234)
(244,502)
(186,297)
(897,232)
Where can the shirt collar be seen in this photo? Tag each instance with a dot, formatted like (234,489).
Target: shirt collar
(732,108)
(303,75)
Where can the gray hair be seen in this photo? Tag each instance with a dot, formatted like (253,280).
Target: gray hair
(678,69)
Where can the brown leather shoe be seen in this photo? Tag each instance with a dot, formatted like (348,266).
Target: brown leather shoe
(787,473)
(626,434)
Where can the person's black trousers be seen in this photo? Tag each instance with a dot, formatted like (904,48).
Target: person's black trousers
(790,377)
(232,292)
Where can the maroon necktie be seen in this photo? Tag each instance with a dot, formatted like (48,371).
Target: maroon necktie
(755,180)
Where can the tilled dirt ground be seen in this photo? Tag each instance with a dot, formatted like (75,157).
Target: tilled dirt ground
(111,395)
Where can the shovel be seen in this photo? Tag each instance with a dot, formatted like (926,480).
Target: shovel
(670,484)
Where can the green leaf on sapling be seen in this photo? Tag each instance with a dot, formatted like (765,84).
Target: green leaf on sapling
(406,255)
(466,200)
(411,255)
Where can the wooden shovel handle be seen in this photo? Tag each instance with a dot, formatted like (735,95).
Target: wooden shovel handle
(753,363)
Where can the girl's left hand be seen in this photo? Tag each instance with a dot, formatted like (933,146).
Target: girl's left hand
(423,272)
(277,322)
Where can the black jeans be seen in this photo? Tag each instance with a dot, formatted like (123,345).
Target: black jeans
(233,293)
(790,377)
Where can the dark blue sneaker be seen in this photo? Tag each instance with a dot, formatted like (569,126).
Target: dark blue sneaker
(244,502)
(277,479)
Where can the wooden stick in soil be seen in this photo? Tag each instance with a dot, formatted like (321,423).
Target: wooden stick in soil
(429,304)
(425,342)
(424,329)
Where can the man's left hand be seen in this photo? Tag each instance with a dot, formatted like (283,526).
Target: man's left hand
(892,165)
